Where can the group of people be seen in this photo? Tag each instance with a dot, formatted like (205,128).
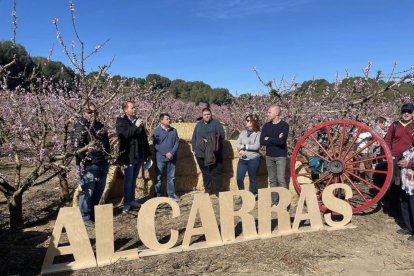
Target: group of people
(207,145)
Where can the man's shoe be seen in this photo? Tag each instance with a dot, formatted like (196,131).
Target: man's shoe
(274,206)
(175,197)
(126,208)
(404,231)
(89,223)
(411,238)
(135,204)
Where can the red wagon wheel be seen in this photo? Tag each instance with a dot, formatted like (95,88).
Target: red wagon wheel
(346,152)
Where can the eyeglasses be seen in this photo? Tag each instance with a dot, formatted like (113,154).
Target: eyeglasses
(91,112)
(247,121)
(406,111)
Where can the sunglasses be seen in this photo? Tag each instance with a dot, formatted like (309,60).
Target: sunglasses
(91,112)
(406,111)
(247,120)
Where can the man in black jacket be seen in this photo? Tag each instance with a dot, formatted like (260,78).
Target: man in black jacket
(91,163)
(134,150)
(211,171)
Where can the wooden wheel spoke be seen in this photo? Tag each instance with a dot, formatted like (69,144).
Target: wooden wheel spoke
(360,150)
(316,154)
(352,143)
(363,180)
(328,132)
(367,159)
(303,174)
(342,140)
(327,184)
(366,170)
(320,146)
(321,178)
(356,189)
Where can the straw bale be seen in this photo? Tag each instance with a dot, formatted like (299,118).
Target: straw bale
(184,149)
(229,165)
(188,176)
(114,183)
(184,130)
(186,183)
(187,166)
(229,149)
(76,195)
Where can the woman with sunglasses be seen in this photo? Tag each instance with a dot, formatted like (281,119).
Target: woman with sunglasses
(248,145)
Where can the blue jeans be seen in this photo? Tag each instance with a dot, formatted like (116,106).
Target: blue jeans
(170,177)
(251,166)
(93,180)
(131,172)
(276,167)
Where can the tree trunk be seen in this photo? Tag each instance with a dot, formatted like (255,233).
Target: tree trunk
(15,210)
(64,187)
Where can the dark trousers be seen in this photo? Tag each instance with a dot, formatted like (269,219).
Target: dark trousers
(211,173)
(394,190)
(407,210)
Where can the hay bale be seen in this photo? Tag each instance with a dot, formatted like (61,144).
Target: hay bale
(185,130)
(187,166)
(188,176)
(76,195)
(229,149)
(186,183)
(184,149)
(234,135)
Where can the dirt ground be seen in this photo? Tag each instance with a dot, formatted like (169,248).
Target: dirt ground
(373,248)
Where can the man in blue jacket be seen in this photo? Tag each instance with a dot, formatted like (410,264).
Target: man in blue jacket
(166,141)
(211,172)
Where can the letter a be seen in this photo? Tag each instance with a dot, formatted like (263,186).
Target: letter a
(202,205)
(308,194)
(80,246)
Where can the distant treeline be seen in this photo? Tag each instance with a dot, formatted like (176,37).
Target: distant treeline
(194,91)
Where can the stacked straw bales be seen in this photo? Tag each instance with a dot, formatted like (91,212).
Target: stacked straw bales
(188,176)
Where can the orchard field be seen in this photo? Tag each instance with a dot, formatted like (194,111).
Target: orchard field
(40,100)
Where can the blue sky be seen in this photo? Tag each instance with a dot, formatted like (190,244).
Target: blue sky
(219,41)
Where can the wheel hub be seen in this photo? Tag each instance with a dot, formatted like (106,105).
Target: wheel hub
(336,166)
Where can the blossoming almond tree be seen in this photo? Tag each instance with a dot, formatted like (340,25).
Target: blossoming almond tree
(35,121)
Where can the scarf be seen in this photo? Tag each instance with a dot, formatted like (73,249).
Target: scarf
(249,132)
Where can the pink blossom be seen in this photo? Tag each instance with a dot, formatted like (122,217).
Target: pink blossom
(72,6)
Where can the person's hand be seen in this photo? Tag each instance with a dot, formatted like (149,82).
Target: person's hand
(169,156)
(242,153)
(281,135)
(402,163)
(139,122)
(266,138)
(240,147)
